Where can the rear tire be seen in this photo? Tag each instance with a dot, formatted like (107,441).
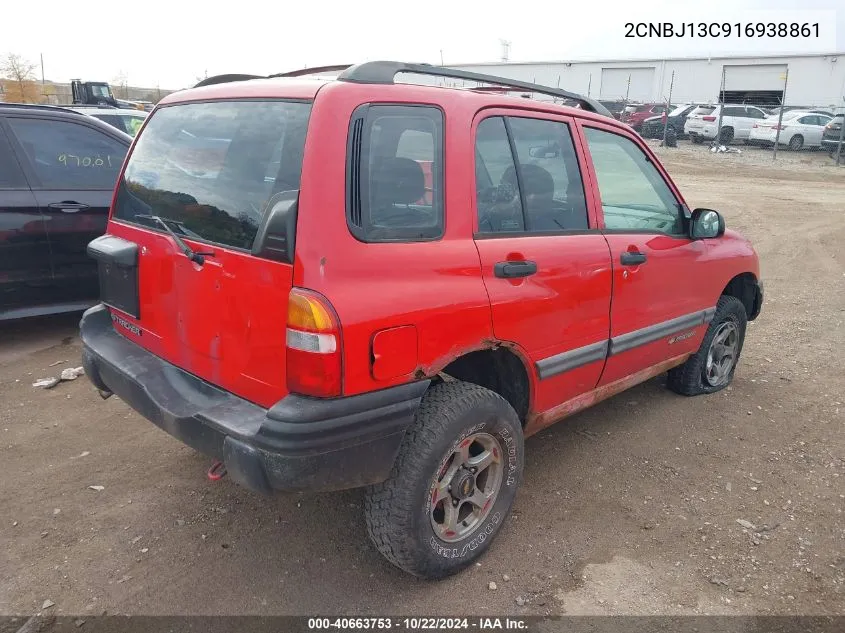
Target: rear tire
(696,139)
(409,516)
(700,373)
(726,135)
(796,142)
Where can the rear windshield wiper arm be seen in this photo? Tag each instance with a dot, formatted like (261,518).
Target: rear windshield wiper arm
(197,258)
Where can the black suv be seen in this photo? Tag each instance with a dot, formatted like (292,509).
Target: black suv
(57,174)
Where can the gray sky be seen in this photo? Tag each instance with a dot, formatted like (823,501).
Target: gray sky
(170,43)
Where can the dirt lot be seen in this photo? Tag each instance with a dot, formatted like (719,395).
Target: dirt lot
(631,507)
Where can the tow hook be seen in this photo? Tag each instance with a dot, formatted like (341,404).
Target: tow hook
(217,471)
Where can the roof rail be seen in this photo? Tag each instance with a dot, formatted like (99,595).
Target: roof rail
(384,72)
(311,71)
(38,106)
(222,79)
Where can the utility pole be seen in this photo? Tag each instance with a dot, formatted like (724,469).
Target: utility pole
(628,89)
(589,84)
(441,57)
(668,104)
(841,137)
(721,109)
(42,72)
(780,114)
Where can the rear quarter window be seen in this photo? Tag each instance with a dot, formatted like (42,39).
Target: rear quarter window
(394,173)
(212,168)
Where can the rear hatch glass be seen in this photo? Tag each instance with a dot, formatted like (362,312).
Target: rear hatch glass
(703,110)
(210,171)
(212,167)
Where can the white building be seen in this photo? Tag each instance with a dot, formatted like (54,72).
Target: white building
(814,80)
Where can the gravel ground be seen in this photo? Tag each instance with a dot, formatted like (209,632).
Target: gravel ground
(649,503)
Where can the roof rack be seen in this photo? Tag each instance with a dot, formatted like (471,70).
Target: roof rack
(384,72)
(312,71)
(223,79)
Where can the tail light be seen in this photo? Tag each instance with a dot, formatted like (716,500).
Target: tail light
(709,118)
(313,345)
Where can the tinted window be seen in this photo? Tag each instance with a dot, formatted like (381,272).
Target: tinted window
(67,155)
(112,119)
(549,178)
(395,182)
(703,110)
(213,168)
(11,176)
(541,191)
(497,198)
(730,111)
(634,195)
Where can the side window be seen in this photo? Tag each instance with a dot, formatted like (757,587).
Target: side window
(395,173)
(65,155)
(497,197)
(634,195)
(540,191)
(808,120)
(733,112)
(11,176)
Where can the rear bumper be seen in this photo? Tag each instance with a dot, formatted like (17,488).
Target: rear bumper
(298,444)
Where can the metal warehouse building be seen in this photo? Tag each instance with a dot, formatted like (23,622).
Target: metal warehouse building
(814,80)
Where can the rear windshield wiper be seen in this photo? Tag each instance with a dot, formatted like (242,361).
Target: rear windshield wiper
(197,258)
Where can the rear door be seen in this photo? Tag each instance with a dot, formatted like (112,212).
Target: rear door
(812,127)
(26,278)
(545,265)
(72,167)
(743,119)
(656,313)
(213,172)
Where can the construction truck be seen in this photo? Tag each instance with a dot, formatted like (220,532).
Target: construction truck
(98,93)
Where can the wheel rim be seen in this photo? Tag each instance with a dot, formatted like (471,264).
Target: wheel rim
(722,354)
(465,487)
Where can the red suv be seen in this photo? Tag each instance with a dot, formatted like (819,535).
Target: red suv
(326,284)
(635,114)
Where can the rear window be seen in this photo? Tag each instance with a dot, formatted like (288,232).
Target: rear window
(211,168)
(703,110)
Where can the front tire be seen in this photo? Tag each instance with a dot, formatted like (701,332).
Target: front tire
(712,367)
(452,484)
(726,135)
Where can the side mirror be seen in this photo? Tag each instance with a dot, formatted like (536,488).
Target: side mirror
(706,224)
(544,151)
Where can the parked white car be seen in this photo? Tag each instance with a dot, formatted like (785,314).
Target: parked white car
(737,122)
(124,119)
(799,128)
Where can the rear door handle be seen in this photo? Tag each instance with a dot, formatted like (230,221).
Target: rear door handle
(68,207)
(509,270)
(632,258)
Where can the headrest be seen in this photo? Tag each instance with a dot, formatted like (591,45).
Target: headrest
(397,181)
